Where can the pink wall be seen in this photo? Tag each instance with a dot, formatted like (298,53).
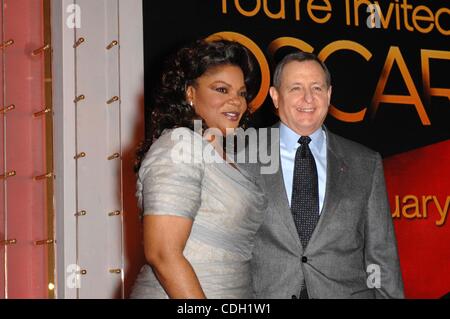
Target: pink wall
(2,168)
(24,146)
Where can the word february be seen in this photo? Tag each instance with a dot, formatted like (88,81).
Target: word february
(417,207)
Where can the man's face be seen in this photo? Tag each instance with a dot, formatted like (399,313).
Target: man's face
(303,97)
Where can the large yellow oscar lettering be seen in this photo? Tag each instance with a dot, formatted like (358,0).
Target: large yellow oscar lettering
(260,57)
(395,55)
(366,54)
(289,42)
(426,55)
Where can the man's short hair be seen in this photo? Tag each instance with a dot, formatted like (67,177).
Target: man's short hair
(299,57)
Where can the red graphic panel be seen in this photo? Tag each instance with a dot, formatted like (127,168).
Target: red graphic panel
(418,184)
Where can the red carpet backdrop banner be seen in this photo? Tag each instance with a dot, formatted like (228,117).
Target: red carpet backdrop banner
(390,65)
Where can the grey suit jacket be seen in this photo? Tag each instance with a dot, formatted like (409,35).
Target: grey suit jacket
(354,234)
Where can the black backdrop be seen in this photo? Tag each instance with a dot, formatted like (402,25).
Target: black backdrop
(394,128)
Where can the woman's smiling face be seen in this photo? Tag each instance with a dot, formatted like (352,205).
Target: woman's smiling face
(219,97)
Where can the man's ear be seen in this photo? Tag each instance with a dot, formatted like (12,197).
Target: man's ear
(274,95)
(330,89)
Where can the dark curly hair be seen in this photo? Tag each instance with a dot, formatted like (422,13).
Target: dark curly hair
(169,106)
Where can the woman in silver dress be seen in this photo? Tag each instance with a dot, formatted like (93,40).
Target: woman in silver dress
(200,215)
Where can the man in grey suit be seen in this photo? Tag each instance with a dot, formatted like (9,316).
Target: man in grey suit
(339,242)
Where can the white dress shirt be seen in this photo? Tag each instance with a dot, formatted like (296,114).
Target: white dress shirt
(288,148)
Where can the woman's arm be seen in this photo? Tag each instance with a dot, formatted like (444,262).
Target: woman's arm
(164,241)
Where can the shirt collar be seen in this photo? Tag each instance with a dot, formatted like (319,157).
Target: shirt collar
(289,138)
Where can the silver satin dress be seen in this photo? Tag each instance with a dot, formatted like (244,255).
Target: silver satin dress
(179,177)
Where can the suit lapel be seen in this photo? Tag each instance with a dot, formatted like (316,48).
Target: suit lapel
(274,188)
(274,185)
(336,170)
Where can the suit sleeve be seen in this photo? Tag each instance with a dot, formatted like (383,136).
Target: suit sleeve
(381,255)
